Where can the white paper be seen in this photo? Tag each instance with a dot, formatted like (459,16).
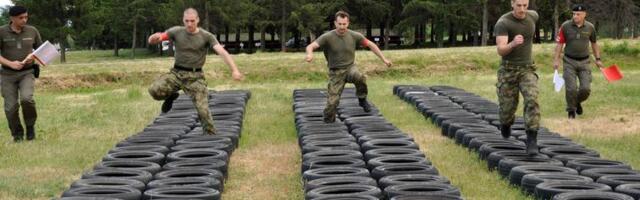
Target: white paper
(46,53)
(558,81)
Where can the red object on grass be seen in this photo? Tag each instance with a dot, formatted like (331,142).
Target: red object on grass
(612,73)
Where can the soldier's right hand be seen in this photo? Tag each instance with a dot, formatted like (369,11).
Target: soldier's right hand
(309,58)
(237,76)
(517,41)
(556,63)
(17,65)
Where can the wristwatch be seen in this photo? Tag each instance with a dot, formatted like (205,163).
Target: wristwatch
(598,59)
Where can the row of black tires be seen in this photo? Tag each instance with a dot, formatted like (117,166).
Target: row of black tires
(361,155)
(171,158)
(562,170)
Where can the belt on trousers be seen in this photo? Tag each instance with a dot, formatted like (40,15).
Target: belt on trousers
(21,70)
(511,66)
(576,58)
(181,68)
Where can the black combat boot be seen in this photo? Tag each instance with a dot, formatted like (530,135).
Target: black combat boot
(18,134)
(364,104)
(579,109)
(31,132)
(168,103)
(572,114)
(329,118)
(505,130)
(532,142)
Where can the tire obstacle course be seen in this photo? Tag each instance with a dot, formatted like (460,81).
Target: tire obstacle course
(170,158)
(361,155)
(563,170)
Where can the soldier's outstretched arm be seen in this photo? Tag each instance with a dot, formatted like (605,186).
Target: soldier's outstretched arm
(235,73)
(158,37)
(376,50)
(313,46)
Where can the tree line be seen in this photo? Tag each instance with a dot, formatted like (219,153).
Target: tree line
(117,24)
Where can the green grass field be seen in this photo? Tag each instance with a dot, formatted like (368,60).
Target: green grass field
(94,101)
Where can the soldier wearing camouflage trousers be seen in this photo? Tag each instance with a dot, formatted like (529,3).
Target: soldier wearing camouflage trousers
(517,74)
(192,45)
(339,48)
(575,36)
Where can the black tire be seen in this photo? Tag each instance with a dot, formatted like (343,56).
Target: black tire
(566,158)
(375,153)
(576,151)
(476,143)
(547,190)
(314,174)
(215,164)
(354,197)
(388,143)
(204,139)
(592,195)
(149,156)
(187,182)
(596,173)
(516,174)
(505,165)
(130,164)
(182,193)
(398,136)
(337,145)
(467,138)
(189,173)
(349,180)
(383,171)
(162,141)
(338,191)
(427,197)
(316,163)
(582,164)
(228,147)
(108,182)
(156,148)
(333,154)
(124,193)
(396,160)
(632,190)
(615,180)
(140,175)
(401,179)
(530,181)
(557,143)
(197,154)
(89,198)
(421,189)
(487,149)
(494,158)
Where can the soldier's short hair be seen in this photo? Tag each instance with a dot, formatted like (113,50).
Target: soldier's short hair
(17,10)
(191,11)
(342,14)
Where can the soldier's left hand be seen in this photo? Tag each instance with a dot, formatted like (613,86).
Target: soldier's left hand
(387,62)
(237,76)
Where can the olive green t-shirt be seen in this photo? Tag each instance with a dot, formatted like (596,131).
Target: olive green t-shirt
(577,39)
(191,48)
(510,26)
(339,50)
(17,46)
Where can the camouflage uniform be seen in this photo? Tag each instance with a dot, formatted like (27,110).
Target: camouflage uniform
(517,72)
(513,80)
(193,84)
(337,79)
(187,75)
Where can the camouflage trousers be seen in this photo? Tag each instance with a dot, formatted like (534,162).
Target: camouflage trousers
(17,91)
(337,79)
(513,80)
(193,84)
(580,70)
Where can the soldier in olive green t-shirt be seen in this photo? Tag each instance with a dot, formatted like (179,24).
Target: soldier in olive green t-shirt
(18,42)
(575,36)
(517,74)
(192,45)
(339,48)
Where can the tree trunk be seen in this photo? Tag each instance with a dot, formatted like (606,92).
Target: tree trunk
(133,41)
(556,23)
(433,31)
(226,34)
(238,30)
(115,46)
(283,28)
(369,27)
(205,21)
(63,52)
(485,23)
(386,34)
(263,38)
(252,30)
(416,36)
